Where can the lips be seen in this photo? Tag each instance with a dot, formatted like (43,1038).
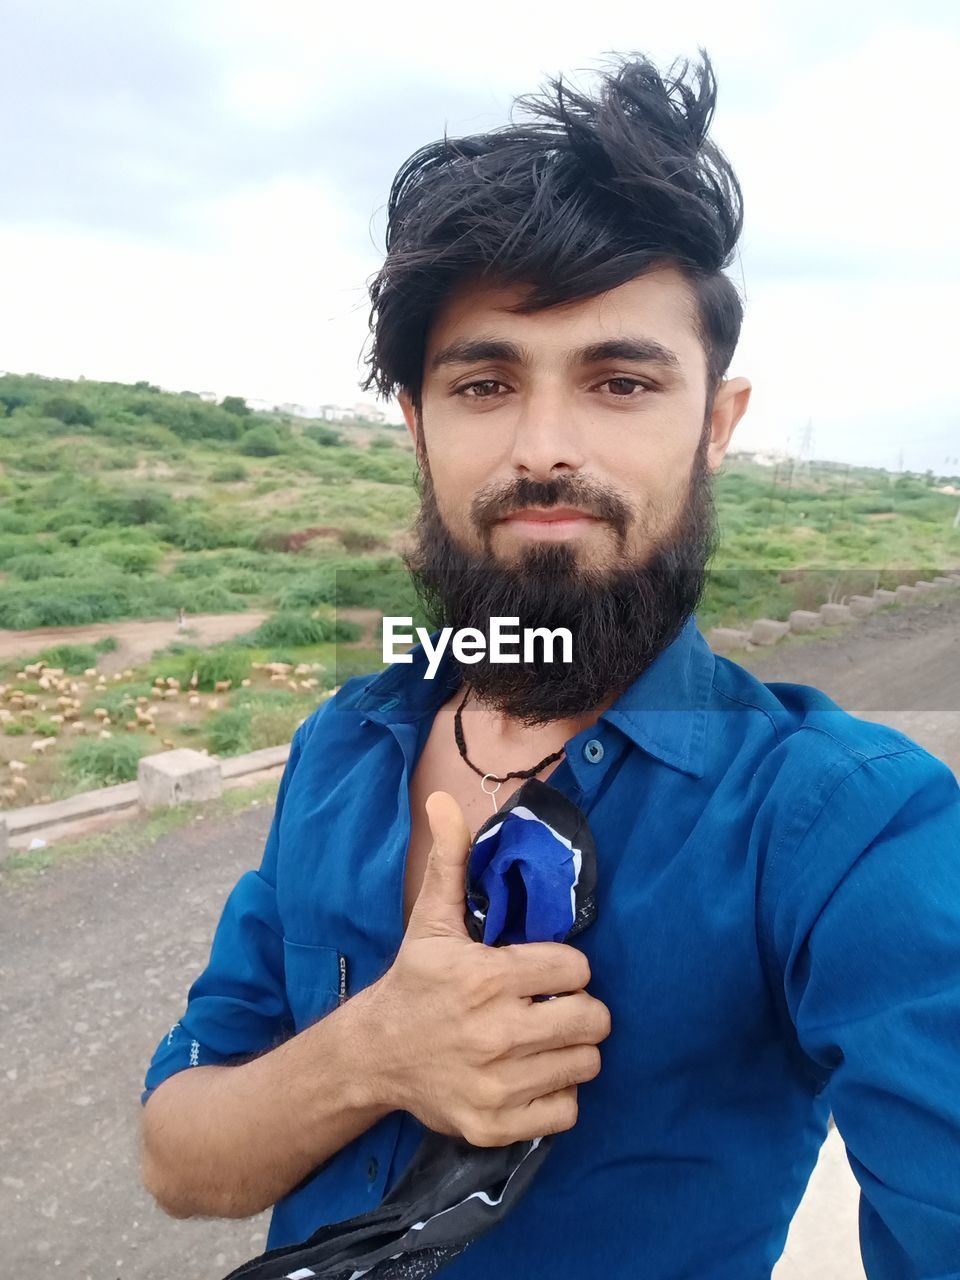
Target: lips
(548,515)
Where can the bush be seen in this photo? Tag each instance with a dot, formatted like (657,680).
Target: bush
(106,644)
(74,658)
(356,539)
(251,725)
(228,733)
(323,436)
(228,663)
(103,762)
(236,405)
(131,557)
(293,629)
(243,582)
(227,471)
(68,411)
(260,442)
(14,730)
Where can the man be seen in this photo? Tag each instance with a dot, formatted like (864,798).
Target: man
(778,929)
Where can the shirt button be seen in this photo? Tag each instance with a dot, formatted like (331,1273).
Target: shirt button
(593,751)
(389,704)
(372,1168)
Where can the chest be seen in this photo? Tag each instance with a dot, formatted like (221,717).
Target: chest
(440,768)
(674,950)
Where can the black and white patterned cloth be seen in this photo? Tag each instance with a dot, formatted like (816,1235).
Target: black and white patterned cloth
(531,877)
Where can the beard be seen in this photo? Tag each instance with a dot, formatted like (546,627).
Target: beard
(619,618)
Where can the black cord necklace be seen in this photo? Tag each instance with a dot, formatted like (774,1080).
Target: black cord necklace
(516,773)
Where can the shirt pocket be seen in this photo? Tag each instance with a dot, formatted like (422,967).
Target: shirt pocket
(315,981)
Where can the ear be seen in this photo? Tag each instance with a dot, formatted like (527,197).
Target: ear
(729,406)
(414,426)
(409,415)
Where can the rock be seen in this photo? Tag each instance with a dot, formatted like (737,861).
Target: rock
(802,620)
(723,640)
(177,777)
(768,631)
(835,614)
(862,606)
(905,593)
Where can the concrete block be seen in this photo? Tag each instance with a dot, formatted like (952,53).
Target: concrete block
(882,596)
(905,594)
(177,777)
(727,639)
(946,582)
(768,630)
(861,606)
(4,838)
(924,586)
(834,614)
(804,620)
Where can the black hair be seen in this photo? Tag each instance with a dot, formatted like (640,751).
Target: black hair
(591,193)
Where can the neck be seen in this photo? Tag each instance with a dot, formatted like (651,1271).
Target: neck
(510,734)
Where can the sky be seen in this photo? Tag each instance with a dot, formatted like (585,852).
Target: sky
(194,193)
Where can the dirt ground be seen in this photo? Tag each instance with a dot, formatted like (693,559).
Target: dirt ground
(136,641)
(899,667)
(98,955)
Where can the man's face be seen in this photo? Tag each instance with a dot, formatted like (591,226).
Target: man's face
(603,400)
(565,465)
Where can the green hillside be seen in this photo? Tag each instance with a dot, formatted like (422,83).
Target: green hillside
(127,503)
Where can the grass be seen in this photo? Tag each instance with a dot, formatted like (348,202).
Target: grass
(122,501)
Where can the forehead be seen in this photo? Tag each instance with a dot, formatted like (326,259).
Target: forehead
(658,304)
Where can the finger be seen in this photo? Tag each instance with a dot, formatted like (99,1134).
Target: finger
(554,1113)
(558,1024)
(519,1081)
(441,902)
(544,968)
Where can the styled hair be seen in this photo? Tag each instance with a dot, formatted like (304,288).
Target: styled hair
(591,192)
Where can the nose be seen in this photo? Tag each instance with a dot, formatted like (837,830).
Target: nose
(546,439)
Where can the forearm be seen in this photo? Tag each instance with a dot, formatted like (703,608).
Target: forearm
(229,1141)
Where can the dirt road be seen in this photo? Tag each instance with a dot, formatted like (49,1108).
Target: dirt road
(98,955)
(136,640)
(899,667)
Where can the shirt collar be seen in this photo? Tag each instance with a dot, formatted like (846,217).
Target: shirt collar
(664,711)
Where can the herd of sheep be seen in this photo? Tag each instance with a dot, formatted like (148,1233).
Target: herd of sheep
(59,699)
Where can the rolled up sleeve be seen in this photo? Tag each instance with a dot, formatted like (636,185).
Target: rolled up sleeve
(237,1007)
(866,931)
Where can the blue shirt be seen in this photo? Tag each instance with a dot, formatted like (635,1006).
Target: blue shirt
(778,936)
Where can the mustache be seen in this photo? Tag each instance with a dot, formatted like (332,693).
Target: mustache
(491,504)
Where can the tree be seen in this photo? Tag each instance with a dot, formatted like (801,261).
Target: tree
(235,404)
(260,442)
(68,411)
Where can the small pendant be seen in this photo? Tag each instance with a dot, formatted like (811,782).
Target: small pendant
(493,792)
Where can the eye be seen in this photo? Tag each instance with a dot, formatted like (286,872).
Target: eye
(630,384)
(485,383)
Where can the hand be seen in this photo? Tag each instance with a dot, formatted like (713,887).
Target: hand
(462,1044)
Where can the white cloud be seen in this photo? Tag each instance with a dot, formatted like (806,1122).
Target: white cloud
(252,277)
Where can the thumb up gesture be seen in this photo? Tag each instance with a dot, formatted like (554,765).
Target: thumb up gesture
(463,1045)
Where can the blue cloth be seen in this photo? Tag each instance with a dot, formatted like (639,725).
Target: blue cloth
(528,878)
(778,935)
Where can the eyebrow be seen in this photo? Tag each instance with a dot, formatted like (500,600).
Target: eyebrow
(638,350)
